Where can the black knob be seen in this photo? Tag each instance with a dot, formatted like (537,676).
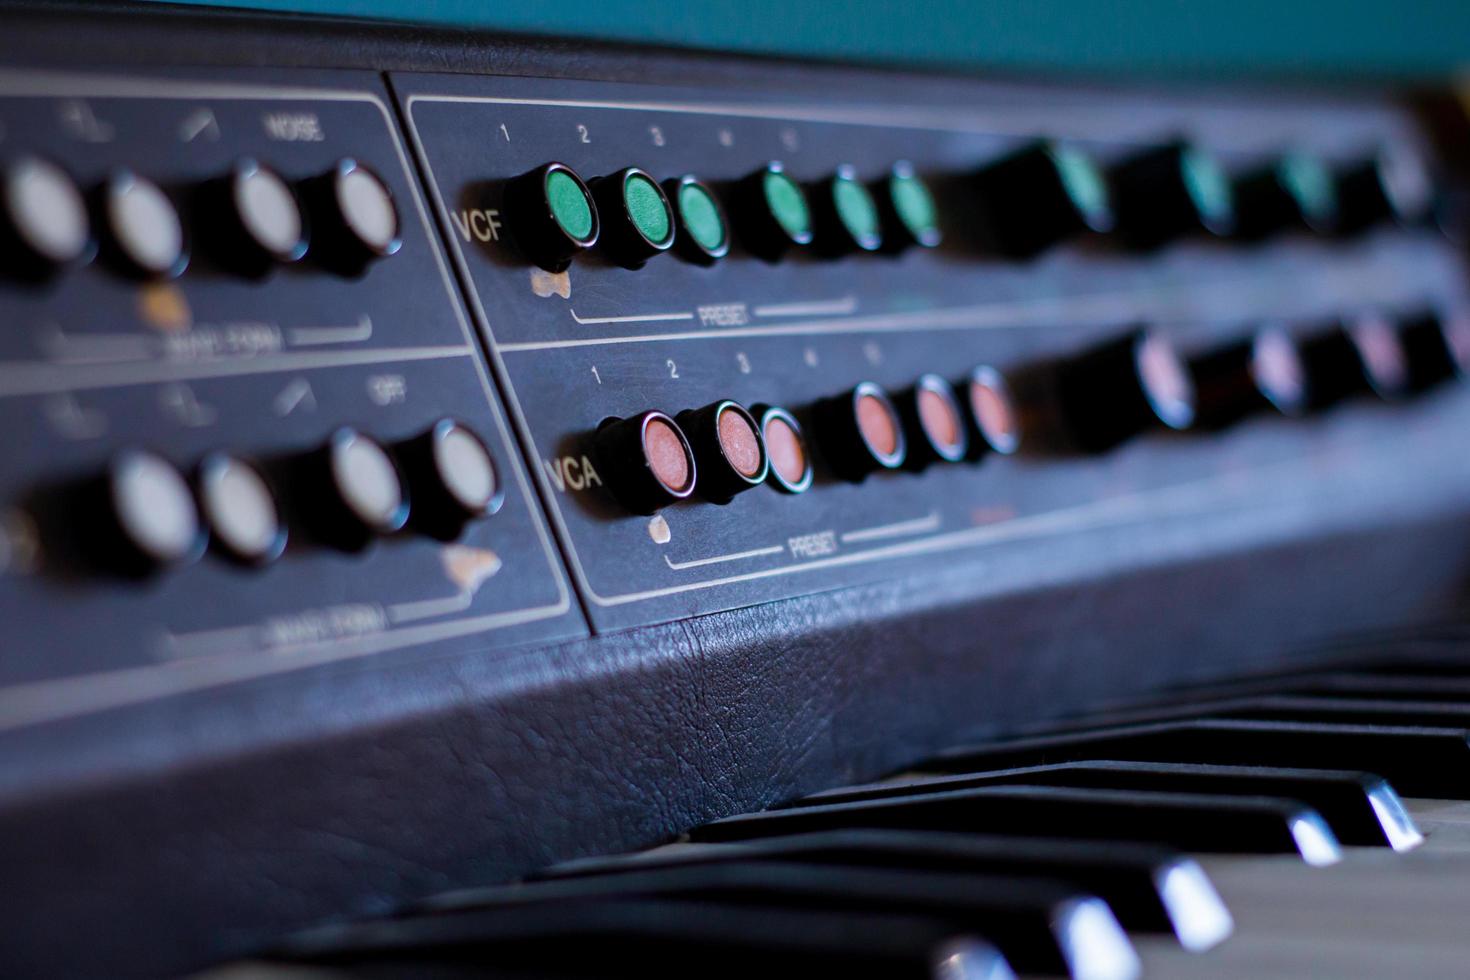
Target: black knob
(637,219)
(773,212)
(139,516)
(1333,365)
(907,209)
(354,219)
(1391,187)
(790,457)
(1168,192)
(860,431)
(646,461)
(704,231)
(994,418)
(351,491)
(933,423)
(252,220)
(728,449)
(1293,192)
(1260,373)
(451,477)
(551,215)
(1040,196)
(1122,388)
(239,506)
(1437,348)
(844,214)
(142,234)
(44,225)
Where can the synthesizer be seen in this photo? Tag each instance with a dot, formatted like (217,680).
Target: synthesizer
(434,461)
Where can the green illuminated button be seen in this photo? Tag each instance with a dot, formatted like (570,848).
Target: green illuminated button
(1039,196)
(638,219)
(551,215)
(846,216)
(1171,191)
(704,234)
(773,211)
(910,216)
(1290,193)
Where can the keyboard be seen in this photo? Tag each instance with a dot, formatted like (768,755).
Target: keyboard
(473,504)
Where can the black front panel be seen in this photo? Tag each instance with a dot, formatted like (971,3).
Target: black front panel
(98,360)
(600,340)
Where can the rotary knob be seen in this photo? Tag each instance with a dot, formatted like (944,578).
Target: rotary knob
(1437,348)
(906,206)
(44,226)
(255,220)
(143,235)
(552,215)
(1346,359)
(451,477)
(1169,192)
(773,212)
(1293,192)
(860,432)
(354,219)
(240,508)
(637,218)
(352,491)
(1040,196)
(646,460)
(1123,388)
(1391,186)
(844,214)
(140,516)
(1263,372)
(934,423)
(728,449)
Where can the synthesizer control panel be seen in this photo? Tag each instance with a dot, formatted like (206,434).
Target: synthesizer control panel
(247,425)
(764,346)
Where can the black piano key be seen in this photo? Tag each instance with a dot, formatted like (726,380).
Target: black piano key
(1040,925)
(657,940)
(1150,889)
(1361,808)
(1332,710)
(1431,762)
(1226,825)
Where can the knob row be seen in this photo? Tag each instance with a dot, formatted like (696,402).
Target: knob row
(142,514)
(250,219)
(1091,402)
(1036,197)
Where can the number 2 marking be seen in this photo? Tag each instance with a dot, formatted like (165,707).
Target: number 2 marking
(673,368)
(582,133)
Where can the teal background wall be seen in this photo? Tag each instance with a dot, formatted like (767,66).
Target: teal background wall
(1298,37)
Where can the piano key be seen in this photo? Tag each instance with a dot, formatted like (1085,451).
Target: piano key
(653,940)
(1362,809)
(1431,762)
(1040,925)
(1150,889)
(1187,821)
(1297,708)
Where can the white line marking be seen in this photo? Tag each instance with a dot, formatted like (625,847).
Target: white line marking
(644,318)
(321,336)
(917,526)
(30,378)
(294,394)
(407,612)
(700,562)
(830,307)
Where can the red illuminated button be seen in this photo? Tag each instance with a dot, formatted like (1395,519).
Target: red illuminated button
(994,417)
(1124,387)
(728,449)
(790,458)
(935,423)
(1385,362)
(861,431)
(646,460)
(1260,373)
